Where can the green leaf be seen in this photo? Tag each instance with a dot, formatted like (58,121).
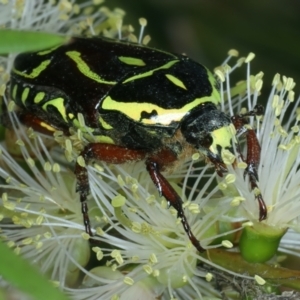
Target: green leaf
(19,273)
(16,41)
(234,262)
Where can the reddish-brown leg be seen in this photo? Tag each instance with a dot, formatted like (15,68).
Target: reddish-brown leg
(166,190)
(104,152)
(155,163)
(30,120)
(253,154)
(117,155)
(219,165)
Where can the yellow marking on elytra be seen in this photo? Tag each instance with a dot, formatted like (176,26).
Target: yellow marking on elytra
(132,61)
(39,97)
(150,73)
(85,69)
(176,81)
(215,95)
(25,95)
(104,124)
(14,92)
(47,126)
(35,72)
(58,103)
(162,116)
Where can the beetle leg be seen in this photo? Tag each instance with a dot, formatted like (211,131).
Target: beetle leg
(115,154)
(219,165)
(104,152)
(253,154)
(166,190)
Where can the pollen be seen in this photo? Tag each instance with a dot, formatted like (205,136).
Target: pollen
(250,57)
(85,236)
(276,79)
(99,231)
(153,259)
(20,142)
(242,165)
(259,75)
(4,197)
(235,202)
(68,145)
(116,254)
(56,168)
(227,244)
(249,223)
(259,280)
(194,208)
(148,269)
(128,280)
(220,75)
(39,220)
(118,201)
(81,161)
(230,178)
(209,277)
(146,39)
(136,227)
(17,250)
(222,186)
(258,85)
(240,61)
(48,235)
(151,199)
(228,157)
(27,241)
(196,156)
(10,244)
(65,6)
(9,205)
(47,166)
(233,53)
(289,83)
(11,106)
(134,187)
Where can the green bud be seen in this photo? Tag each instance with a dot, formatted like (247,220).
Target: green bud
(259,242)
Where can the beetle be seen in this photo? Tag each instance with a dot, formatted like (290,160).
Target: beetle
(139,103)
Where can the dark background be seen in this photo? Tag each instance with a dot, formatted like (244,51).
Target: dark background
(206,29)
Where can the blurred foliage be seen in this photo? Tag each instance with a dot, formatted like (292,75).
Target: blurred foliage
(207,29)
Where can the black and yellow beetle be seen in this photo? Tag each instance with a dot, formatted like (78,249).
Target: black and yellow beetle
(140,104)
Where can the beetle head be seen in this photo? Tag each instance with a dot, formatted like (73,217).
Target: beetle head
(209,130)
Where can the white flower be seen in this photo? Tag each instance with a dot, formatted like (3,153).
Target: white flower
(278,172)
(65,16)
(143,250)
(278,169)
(140,239)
